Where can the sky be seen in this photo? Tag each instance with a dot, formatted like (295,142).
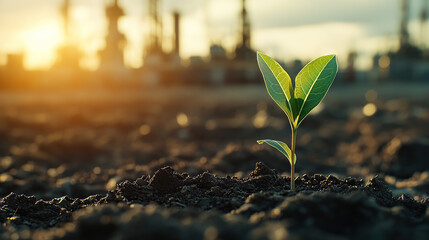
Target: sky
(284,29)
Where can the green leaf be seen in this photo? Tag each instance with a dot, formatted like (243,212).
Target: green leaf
(278,83)
(281,146)
(312,84)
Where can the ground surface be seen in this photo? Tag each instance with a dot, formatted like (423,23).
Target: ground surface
(184,164)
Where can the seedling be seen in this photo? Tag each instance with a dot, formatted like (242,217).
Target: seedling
(296,98)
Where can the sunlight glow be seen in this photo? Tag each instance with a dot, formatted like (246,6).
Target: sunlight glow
(40,44)
(144,129)
(182,120)
(369,109)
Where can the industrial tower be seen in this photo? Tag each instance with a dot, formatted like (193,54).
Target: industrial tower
(65,14)
(243,50)
(245,26)
(154,45)
(112,56)
(423,24)
(68,55)
(405,47)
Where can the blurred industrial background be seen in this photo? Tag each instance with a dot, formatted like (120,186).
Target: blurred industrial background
(45,44)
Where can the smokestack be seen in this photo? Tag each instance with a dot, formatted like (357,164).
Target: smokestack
(66,21)
(423,21)
(245,28)
(403,32)
(155,44)
(176,43)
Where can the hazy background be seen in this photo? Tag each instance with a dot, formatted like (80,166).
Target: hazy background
(285,29)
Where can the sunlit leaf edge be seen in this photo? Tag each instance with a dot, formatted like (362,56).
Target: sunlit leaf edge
(281,147)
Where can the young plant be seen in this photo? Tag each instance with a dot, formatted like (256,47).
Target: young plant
(296,98)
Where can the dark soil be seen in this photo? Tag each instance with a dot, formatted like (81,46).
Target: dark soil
(172,205)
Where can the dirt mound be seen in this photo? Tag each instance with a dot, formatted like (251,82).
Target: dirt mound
(407,158)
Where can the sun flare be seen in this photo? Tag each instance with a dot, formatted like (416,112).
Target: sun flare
(41,42)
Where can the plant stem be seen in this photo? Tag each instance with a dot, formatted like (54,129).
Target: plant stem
(292,165)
